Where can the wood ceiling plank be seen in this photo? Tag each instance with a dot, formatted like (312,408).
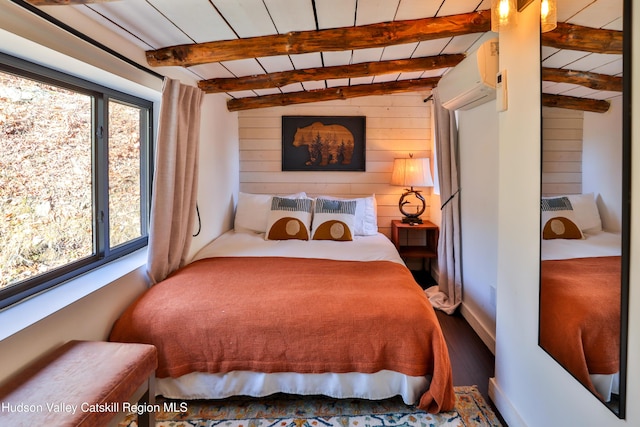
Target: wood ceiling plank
(613,68)
(291,15)
(337,58)
(432,47)
(598,14)
(314,85)
(462,43)
(367,55)
(127,16)
(243,67)
(211,71)
(386,78)
(368,36)
(306,60)
(454,7)
(328,18)
(375,11)
(399,51)
(415,9)
(197,18)
(274,64)
(563,58)
(65,2)
(593,61)
(337,82)
(248,18)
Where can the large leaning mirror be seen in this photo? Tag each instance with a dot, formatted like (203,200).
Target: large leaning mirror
(585,194)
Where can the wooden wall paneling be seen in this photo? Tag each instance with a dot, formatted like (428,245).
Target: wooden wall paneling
(562,151)
(396,126)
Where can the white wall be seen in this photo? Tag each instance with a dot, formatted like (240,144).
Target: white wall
(218,170)
(602,153)
(529,388)
(90,318)
(478,148)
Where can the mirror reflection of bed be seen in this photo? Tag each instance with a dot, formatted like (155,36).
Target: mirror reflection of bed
(580,299)
(584,206)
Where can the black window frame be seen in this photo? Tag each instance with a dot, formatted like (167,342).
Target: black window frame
(100,176)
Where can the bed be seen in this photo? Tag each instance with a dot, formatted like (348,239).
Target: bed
(255,316)
(580,303)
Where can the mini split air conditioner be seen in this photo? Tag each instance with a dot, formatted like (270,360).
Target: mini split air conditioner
(473,81)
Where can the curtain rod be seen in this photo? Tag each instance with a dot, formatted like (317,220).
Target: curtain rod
(83,36)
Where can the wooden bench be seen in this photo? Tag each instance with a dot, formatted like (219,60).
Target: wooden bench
(83,383)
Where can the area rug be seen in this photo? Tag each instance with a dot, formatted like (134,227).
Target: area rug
(299,411)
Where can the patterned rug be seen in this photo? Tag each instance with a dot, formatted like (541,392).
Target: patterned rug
(297,411)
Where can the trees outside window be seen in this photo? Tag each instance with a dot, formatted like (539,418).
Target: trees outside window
(74,176)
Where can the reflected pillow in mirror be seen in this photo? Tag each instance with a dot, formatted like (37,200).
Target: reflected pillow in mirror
(585,211)
(558,219)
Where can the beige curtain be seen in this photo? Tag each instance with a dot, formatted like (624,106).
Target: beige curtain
(175,181)
(447,295)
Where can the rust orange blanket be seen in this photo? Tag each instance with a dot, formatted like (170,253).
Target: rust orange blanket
(272,314)
(580,315)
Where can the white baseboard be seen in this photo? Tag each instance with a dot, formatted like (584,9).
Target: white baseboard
(502,402)
(488,337)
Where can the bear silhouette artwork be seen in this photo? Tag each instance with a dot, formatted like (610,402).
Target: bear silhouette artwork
(329,144)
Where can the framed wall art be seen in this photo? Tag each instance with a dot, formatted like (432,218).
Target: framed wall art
(323,143)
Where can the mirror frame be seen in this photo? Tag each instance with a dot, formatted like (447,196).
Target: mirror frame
(627,18)
(625,208)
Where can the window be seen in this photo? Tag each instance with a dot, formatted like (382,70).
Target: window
(74,176)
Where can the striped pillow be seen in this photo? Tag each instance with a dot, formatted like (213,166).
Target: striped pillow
(289,219)
(334,219)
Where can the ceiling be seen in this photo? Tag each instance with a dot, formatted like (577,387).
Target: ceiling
(337,61)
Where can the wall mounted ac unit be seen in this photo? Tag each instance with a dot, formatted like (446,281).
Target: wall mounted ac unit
(473,81)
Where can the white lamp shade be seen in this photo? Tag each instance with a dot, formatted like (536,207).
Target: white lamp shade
(411,173)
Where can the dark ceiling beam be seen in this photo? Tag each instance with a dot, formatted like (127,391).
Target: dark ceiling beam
(574,103)
(576,37)
(583,78)
(342,92)
(272,80)
(328,40)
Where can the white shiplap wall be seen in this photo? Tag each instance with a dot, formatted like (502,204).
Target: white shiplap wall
(562,134)
(396,125)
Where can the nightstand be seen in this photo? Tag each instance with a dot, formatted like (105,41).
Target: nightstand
(426,250)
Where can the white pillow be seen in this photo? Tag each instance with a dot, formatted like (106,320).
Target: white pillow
(585,211)
(334,219)
(289,219)
(253,210)
(366,220)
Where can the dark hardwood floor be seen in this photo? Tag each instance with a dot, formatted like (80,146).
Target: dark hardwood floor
(471,361)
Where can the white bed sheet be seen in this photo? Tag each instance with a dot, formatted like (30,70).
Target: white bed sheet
(363,248)
(603,243)
(376,386)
